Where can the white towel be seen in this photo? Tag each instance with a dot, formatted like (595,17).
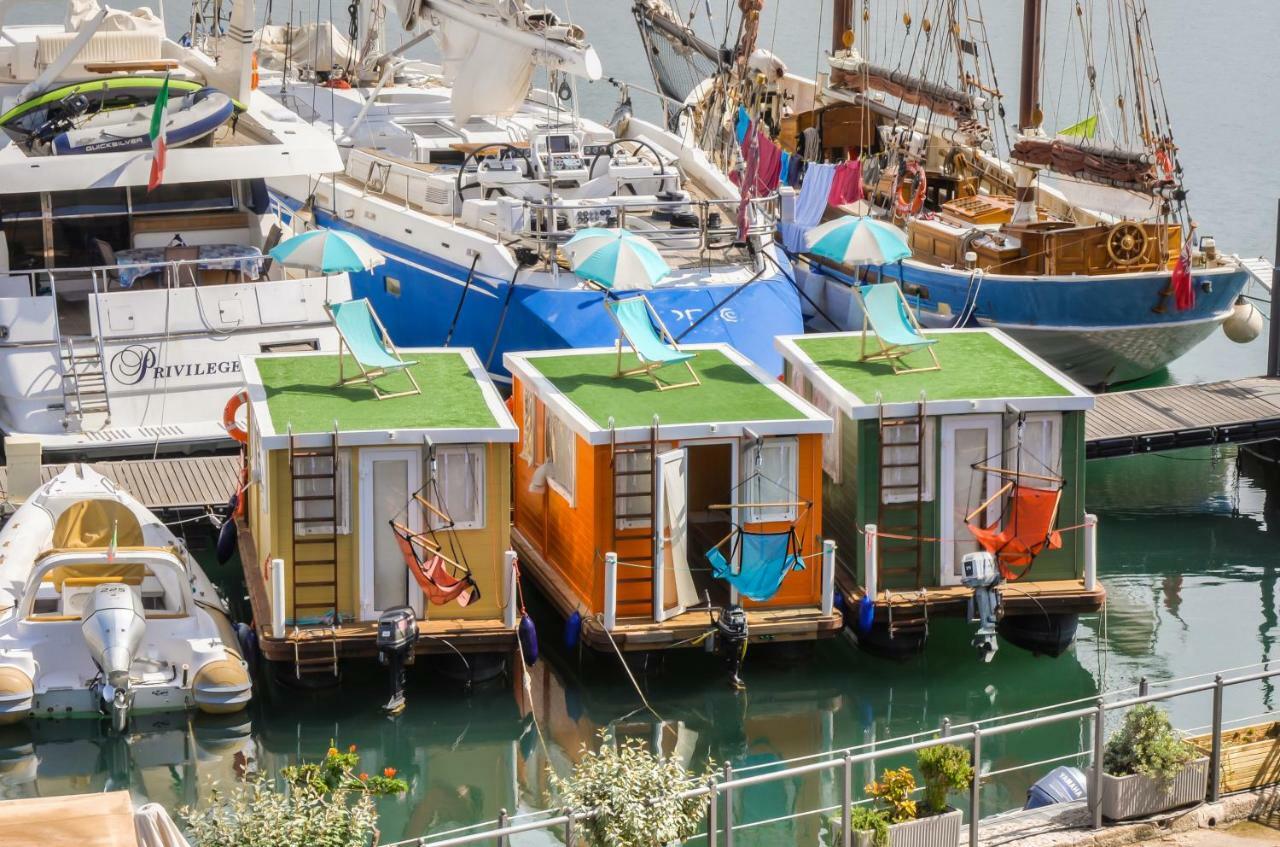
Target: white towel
(811,205)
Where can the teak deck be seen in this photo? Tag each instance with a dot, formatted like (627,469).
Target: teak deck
(637,634)
(1153,419)
(160,484)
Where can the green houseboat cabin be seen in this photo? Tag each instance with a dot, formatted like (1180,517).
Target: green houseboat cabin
(918,461)
(613,474)
(344,489)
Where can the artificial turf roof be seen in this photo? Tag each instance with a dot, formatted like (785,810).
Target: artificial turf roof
(728,392)
(302,393)
(975,366)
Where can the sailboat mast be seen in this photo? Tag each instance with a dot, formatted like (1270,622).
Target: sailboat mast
(1029,116)
(841,22)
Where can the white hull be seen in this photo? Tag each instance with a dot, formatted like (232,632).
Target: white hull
(57,549)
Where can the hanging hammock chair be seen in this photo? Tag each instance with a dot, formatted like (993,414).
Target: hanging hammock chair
(764,558)
(1028,520)
(443,577)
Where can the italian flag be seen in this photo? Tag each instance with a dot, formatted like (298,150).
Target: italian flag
(159,117)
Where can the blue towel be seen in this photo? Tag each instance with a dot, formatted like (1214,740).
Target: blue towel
(742,125)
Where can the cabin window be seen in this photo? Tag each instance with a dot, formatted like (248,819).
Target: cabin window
(831,446)
(898,484)
(1041,449)
(323,487)
(561,453)
(185,197)
(528,426)
(771,471)
(459,490)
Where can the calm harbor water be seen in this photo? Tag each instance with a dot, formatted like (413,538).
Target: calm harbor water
(1188,555)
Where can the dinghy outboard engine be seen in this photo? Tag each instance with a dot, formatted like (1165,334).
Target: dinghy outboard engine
(113,623)
(731,635)
(980,573)
(397,634)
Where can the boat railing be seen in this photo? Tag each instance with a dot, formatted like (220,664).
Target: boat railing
(716,225)
(105,279)
(850,767)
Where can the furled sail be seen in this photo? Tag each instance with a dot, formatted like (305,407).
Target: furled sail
(850,72)
(1082,160)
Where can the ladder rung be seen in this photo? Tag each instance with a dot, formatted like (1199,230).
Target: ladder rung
(631,515)
(313,662)
(328,519)
(316,584)
(621,495)
(632,473)
(313,476)
(312,498)
(313,605)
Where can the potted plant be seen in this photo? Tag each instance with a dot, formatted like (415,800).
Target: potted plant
(1149,768)
(635,795)
(326,803)
(897,819)
(1250,756)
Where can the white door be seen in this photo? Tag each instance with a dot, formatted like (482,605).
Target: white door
(388,480)
(673,588)
(967,440)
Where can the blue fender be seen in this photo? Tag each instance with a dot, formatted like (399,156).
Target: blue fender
(528,640)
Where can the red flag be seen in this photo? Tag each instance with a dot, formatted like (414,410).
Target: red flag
(1184,293)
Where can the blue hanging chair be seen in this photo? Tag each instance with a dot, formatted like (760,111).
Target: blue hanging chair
(766,559)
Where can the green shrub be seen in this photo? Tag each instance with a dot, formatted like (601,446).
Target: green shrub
(635,794)
(945,768)
(323,804)
(1146,744)
(861,819)
(893,794)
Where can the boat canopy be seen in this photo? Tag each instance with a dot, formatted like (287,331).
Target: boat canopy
(90,524)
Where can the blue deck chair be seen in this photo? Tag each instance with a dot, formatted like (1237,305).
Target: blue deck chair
(361,333)
(653,343)
(886,313)
(766,559)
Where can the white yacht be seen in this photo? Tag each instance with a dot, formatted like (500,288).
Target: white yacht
(124,306)
(470,175)
(104,611)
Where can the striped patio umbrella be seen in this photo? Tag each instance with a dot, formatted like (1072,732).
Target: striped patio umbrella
(616,259)
(853,240)
(328,251)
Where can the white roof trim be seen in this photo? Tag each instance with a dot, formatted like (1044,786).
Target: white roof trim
(504,433)
(1078,398)
(524,367)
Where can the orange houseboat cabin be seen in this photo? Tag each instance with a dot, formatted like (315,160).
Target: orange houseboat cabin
(358,505)
(719,481)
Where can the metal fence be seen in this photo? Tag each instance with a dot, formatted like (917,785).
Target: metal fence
(719,791)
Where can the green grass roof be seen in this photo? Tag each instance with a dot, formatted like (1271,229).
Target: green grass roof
(302,392)
(728,393)
(975,366)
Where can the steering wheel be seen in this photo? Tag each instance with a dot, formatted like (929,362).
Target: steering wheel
(519,154)
(1126,243)
(608,149)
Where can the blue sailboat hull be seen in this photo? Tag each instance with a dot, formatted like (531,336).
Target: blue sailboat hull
(1097,329)
(424,300)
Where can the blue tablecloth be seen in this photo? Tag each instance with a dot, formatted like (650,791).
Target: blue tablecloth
(145,260)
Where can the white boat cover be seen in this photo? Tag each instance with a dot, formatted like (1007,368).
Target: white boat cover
(141,19)
(156,829)
(316,45)
(81,820)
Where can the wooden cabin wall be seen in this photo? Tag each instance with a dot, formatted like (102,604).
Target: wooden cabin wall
(842,513)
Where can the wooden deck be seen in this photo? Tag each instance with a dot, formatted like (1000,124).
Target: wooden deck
(357,639)
(805,623)
(1153,419)
(161,484)
(1019,598)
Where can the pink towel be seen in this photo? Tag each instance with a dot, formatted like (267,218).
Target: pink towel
(770,164)
(846,187)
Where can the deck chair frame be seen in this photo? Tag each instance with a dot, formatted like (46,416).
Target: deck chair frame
(650,369)
(368,375)
(891,353)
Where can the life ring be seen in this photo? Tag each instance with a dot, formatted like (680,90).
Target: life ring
(904,206)
(229,421)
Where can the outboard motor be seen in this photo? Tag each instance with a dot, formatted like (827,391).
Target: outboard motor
(113,623)
(397,634)
(980,573)
(1063,784)
(731,635)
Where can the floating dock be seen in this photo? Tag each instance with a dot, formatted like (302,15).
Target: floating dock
(1149,420)
(190,482)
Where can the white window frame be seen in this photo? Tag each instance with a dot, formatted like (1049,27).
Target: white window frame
(928,466)
(832,447)
(342,504)
(627,463)
(475,454)
(529,426)
(1053,458)
(750,493)
(563,470)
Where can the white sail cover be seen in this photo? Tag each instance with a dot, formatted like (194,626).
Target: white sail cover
(489,75)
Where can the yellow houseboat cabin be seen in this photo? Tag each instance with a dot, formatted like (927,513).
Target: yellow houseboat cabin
(718,479)
(359,506)
(955,482)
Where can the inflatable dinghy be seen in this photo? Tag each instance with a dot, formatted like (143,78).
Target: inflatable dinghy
(190,118)
(55,110)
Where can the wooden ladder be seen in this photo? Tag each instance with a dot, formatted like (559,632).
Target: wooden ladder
(902,556)
(84,381)
(315,555)
(632,525)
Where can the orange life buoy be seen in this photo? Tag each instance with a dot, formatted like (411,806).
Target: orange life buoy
(229,422)
(1166,163)
(904,206)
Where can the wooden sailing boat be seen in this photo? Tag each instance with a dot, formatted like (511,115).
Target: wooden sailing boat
(1077,243)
